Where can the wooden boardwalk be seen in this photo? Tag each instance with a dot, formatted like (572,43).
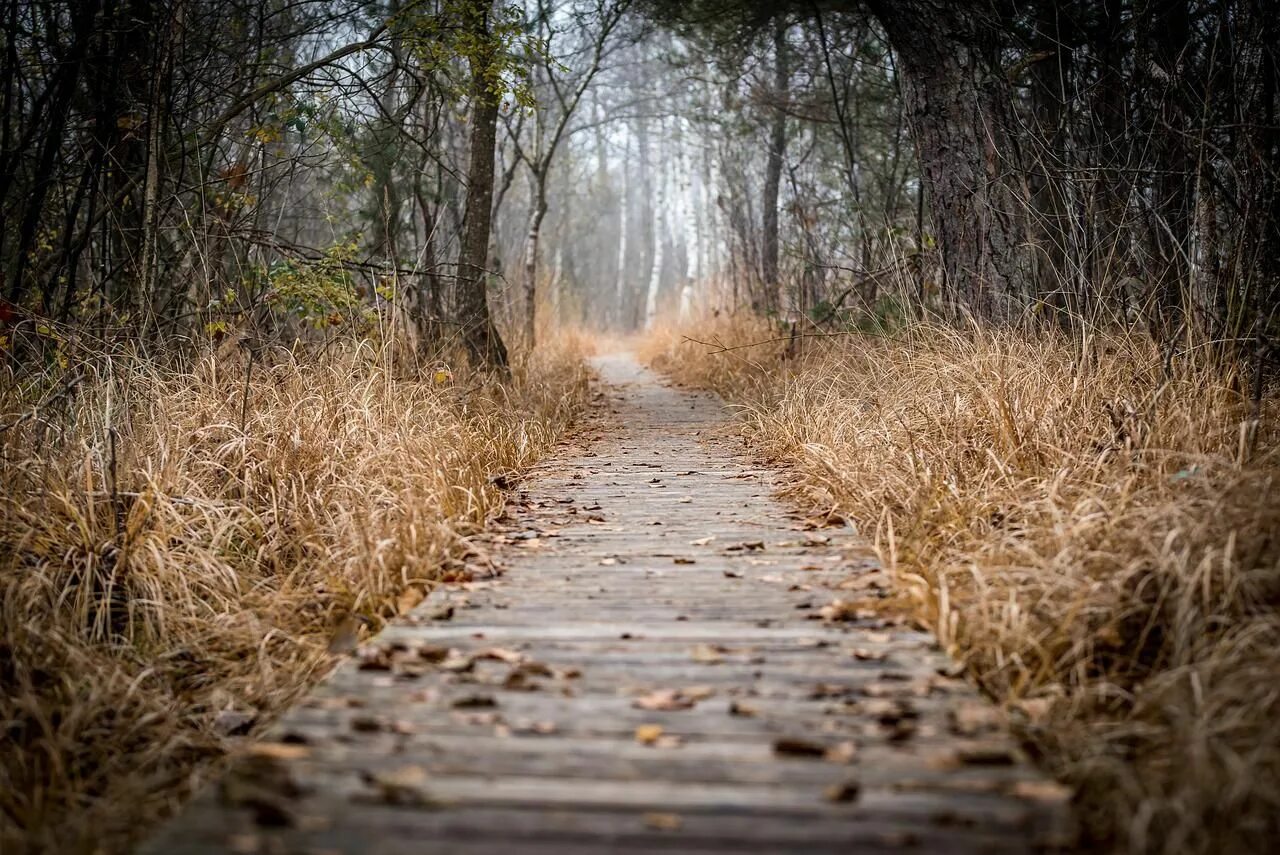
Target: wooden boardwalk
(661,668)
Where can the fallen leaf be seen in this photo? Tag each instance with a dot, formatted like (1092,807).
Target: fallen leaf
(673,699)
(844,610)
(541,728)
(501,654)
(733,574)
(401,786)
(844,792)
(367,724)
(708,654)
(1041,791)
(702,541)
(471,702)
(842,752)
(684,561)
(973,719)
(278,750)
(409,599)
(663,821)
(648,734)
(794,746)
(740,709)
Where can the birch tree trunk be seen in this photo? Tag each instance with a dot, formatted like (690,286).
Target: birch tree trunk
(536,217)
(655,269)
(620,282)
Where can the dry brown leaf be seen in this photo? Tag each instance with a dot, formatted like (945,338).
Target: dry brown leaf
(409,599)
(663,821)
(844,610)
(278,750)
(841,752)
(648,734)
(796,746)
(844,792)
(501,654)
(401,786)
(708,654)
(972,719)
(682,560)
(673,699)
(1041,791)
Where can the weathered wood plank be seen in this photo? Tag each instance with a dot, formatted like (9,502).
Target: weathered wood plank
(607,695)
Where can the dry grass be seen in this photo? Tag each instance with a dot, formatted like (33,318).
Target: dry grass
(1099,543)
(204,565)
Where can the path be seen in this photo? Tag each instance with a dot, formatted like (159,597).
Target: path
(653,672)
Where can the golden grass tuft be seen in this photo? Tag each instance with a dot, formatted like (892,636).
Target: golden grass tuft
(203,564)
(1099,542)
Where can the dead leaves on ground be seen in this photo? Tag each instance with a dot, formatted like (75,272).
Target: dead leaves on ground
(655,736)
(667,700)
(812,749)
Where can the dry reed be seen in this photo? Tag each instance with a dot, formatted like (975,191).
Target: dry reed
(1097,540)
(177,545)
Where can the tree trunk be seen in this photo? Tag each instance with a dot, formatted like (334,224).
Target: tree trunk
(1165,30)
(773,169)
(958,105)
(620,283)
(476,324)
(655,269)
(531,259)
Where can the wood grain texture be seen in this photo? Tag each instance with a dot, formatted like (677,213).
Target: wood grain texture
(652,672)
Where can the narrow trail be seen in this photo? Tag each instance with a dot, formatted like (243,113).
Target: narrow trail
(654,671)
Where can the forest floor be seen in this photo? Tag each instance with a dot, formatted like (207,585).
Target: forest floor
(670,660)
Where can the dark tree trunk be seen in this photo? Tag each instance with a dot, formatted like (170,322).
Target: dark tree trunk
(45,172)
(478,332)
(958,104)
(1165,30)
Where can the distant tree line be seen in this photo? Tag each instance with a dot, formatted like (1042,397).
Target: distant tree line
(1081,161)
(434,171)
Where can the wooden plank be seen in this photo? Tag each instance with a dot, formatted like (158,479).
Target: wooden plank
(494,766)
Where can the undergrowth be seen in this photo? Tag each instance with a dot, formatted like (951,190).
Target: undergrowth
(1095,534)
(178,547)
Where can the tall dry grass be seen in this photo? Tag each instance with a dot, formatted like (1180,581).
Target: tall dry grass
(1098,540)
(179,544)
